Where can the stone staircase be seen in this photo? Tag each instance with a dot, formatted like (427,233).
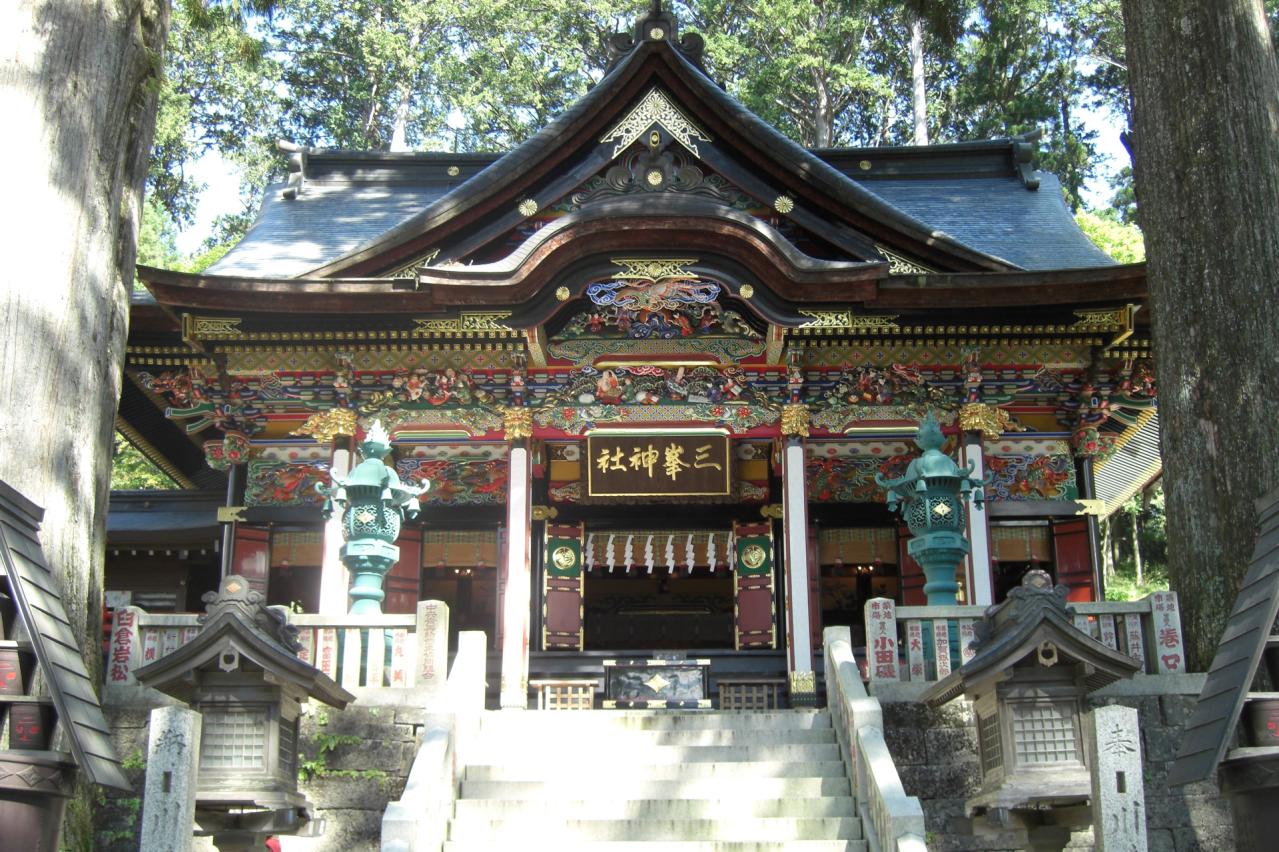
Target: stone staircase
(635,781)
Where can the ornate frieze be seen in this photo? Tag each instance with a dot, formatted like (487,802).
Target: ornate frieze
(652,394)
(795,419)
(901,265)
(326,425)
(990,421)
(1031,477)
(517,423)
(646,171)
(409,270)
(655,108)
(847,321)
(211,328)
(468,323)
(273,483)
(457,482)
(652,268)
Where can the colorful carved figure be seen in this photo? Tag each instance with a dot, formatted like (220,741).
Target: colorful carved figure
(971,371)
(438,387)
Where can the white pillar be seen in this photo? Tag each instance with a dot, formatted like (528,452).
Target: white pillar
(334,582)
(515,605)
(798,618)
(173,763)
(980,588)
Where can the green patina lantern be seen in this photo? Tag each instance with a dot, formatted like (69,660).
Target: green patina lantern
(931,497)
(373,502)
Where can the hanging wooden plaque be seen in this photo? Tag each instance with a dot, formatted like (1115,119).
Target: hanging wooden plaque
(658,465)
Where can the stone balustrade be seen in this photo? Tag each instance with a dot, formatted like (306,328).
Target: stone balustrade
(893,821)
(927,643)
(357,651)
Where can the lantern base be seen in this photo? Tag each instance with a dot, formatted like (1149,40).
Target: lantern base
(368,561)
(939,553)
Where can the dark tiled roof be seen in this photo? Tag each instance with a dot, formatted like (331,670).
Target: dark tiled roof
(326,221)
(995,214)
(1032,228)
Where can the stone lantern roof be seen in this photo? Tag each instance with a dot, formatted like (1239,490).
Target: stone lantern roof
(238,624)
(1035,619)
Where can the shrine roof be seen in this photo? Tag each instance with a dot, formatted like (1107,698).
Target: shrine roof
(1033,229)
(971,191)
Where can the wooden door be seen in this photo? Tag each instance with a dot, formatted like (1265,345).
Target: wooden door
(562,587)
(1073,558)
(754,599)
(251,556)
(403,582)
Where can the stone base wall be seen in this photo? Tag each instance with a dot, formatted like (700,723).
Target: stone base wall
(353,763)
(936,756)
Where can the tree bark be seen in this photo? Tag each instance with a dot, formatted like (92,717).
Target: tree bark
(78,89)
(919,96)
(1136,545)
(1205,118)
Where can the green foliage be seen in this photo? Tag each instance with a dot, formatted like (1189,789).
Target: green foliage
(1121,241)
(216,95)
(157,237)
(132,471)
(1016,70)
(819,72)
(1124,586)
(1136,535)
(325,744)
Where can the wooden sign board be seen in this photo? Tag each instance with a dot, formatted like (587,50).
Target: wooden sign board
(658,465)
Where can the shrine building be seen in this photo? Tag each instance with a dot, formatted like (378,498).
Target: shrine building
(650,362)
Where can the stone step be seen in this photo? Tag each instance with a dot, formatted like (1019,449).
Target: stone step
(728,784)
(678,846)
(607,754)
(581,720)
(593,741)
(658,808)
(596,775)
(513,831)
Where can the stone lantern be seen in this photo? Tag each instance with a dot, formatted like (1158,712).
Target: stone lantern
(242,674)
(1027,682)
(373,503)
(931,497)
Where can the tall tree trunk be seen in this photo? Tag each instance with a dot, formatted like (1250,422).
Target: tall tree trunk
(400,125)
(823,120)
(1205,119)
(78,84)
(1136,545)
(919,99)
(1108,550)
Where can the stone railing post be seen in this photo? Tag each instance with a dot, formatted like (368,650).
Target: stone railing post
(173,763)
(125,653)
(432,646)
(1118,791)
(881,640)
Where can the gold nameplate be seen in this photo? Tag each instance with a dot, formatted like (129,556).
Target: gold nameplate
(658,465)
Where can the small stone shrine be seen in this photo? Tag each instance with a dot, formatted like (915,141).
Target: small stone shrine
(1027,682)
(243,675)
